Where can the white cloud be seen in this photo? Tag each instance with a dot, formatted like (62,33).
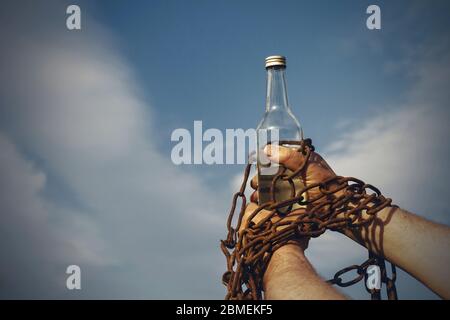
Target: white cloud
(403,150)
(94,189)
(34,250)
(103,196)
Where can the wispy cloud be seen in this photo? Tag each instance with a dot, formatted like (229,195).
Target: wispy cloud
(403,151)
(82,181)
(91,186)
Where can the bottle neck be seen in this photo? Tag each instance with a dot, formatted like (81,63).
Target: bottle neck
(276,97)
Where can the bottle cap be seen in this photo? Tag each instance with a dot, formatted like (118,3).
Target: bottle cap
(275,61)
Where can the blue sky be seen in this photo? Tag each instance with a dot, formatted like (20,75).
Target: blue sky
(86,118)
(179,47)
(203,60)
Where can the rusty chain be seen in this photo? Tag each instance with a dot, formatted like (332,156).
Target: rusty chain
(342,202)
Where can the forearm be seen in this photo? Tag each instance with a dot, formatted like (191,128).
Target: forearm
(417,245)
(289,275)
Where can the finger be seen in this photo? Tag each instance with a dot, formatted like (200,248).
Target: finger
(288,157)
(254,182)
(251,207)
(254,197)
(320,162)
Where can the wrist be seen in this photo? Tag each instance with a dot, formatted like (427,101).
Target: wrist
(282,260)
(291,248)
(285,262)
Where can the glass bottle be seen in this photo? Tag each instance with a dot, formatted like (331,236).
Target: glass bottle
(278,124)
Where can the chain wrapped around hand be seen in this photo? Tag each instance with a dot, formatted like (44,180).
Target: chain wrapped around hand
(341,202)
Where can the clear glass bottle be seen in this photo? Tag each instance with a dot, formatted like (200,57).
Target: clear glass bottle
(278,117)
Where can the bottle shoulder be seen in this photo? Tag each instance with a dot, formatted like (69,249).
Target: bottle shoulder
(279,118)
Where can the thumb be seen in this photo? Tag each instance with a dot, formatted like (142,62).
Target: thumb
(288,157)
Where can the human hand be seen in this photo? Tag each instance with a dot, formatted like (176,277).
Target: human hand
(250,217)
(289,274)
(316,170)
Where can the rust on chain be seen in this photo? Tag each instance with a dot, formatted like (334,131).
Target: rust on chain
(341,203)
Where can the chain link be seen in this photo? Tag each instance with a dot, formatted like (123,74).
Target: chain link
(341,203)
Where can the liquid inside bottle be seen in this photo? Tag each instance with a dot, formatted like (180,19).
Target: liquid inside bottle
(282,188)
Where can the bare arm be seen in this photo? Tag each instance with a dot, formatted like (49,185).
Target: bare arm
(289,275)
(419,246)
